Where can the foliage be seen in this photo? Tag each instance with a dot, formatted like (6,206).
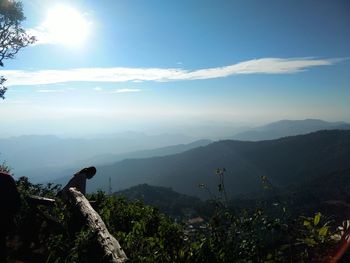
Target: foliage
(146,235)
(4,167)
(268,233)
(12,36)
(168,201)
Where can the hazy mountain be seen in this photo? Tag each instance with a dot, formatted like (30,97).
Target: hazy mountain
(45,173)
(284,161)
(34,151)
(168,150)
(285,128)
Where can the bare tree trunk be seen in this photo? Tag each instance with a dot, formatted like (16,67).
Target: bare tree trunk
(38,200)
(113,253)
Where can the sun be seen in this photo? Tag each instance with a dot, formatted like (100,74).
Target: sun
(66,26)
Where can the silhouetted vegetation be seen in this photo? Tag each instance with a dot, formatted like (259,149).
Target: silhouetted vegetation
(264,232)
(165,199)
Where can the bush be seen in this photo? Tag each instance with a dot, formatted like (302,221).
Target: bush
(146,235)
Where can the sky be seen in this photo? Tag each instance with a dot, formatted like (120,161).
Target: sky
(176,66)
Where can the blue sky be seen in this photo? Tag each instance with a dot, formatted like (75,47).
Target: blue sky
(148,65)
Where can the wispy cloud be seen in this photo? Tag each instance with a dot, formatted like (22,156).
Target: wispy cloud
(49,90)
(126,90)
(122,74)
(97,89)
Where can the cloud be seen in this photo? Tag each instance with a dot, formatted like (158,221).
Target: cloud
(126,90)
(122,74)
(49,91)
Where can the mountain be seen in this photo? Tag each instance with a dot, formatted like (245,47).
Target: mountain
(167,150)
(41,174)
(164,198)
(37,152)
(328,194)
(286,128)
(284,161)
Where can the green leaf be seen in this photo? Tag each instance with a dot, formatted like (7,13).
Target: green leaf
(310,242)
(306,223)
(317,219)
(323,231)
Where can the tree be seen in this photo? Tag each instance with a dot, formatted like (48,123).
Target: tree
(12,36)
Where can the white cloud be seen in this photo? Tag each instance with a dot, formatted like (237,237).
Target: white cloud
(126,90)
(97,89)
(122,74)
(49,91)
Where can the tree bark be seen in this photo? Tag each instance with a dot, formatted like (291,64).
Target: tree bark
(113,253)
(38,200)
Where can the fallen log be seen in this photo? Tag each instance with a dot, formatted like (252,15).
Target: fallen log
(112,251)
(38,200)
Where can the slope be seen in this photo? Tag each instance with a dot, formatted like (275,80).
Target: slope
(285,161)
(285,128)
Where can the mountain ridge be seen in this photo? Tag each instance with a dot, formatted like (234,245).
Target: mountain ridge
(285,161)
(284,128)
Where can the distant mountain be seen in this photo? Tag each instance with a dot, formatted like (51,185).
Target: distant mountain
(285,128)
(285,161)
(36,151)
(164,198)
(59,174)
(167,150)
(41,174)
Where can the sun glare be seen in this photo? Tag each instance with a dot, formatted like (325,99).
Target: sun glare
(67,26)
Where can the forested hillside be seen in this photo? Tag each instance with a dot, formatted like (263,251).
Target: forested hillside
(285,161)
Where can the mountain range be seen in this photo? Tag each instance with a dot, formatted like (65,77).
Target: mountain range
(285,161)
(285,128)
(40,174)
(34,153)
(46,158)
